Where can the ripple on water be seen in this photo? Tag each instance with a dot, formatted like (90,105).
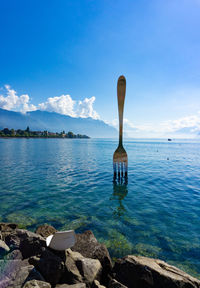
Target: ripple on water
(68,183)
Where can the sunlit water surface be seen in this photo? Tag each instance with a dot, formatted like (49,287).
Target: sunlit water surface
(68,183)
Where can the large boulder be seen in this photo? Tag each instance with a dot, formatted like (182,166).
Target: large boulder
(89,247)
(81,269)
(25,274)
(16,273)
(29,243)
(142,272)
(50,266)
(45,230)
(90,269)
(31,246)
(72,274)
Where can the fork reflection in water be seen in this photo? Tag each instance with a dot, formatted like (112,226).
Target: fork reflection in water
(120,191)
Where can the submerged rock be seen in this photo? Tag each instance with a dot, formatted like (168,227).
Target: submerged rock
(143,272)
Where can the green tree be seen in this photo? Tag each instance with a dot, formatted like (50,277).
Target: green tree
(6,131)
(70,134)
(12,132)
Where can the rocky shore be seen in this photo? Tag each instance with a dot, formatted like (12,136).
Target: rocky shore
(26,262)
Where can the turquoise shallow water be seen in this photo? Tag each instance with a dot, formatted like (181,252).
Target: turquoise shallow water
(68,183)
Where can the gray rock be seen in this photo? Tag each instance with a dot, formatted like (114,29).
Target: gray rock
(81,269)
(8,226)
(89,247)
(8,269)
(78,285)
(27,242)
(115,284)
(13,255)
(96,284)
(72,274)
(49,265)
(17,272)
(5,282)
(45,230)
(3,247)
(90,269)
(25,274)
(6,229)
(31,247)
(36,284)
(143,272)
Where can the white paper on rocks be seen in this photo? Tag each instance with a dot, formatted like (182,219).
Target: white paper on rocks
(61,240)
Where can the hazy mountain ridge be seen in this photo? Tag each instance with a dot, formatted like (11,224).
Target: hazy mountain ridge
(55,122)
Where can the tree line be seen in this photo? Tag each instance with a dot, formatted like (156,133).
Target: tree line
(38,134)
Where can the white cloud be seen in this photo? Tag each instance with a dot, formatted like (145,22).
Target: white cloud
(188,126)
(192,121)
(127,124)
(85,108)
(14,102)
(63,104)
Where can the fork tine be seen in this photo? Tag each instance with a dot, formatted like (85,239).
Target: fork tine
(120,174)
(115,171)
(114,167)
(118,166)
(122,170)
(126,169)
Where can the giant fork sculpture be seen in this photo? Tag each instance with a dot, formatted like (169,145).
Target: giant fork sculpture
(120,159)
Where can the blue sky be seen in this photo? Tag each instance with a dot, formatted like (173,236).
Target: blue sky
(79,48)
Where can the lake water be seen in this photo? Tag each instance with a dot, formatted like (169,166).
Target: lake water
(68,183)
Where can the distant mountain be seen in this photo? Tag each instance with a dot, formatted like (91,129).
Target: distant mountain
(188,130)
(55,122)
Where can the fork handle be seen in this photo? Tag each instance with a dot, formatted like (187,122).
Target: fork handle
(121,90)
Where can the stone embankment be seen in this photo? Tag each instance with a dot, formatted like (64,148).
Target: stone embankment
(27,262)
